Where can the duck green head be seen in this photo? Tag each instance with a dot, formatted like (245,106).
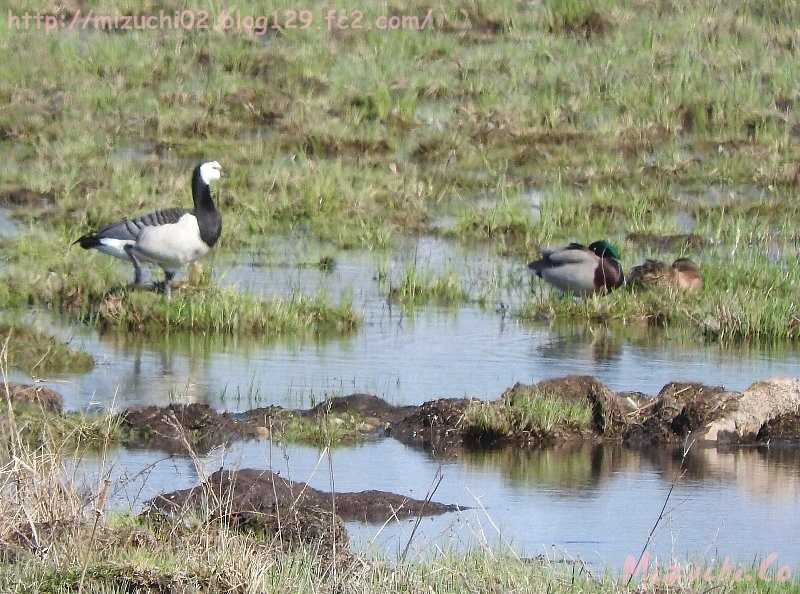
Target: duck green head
(604,249)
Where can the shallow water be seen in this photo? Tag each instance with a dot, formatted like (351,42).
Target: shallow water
(597,503)
(8,228)
(405,355)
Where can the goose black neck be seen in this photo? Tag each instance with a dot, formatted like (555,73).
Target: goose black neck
(208,219)
(201,193)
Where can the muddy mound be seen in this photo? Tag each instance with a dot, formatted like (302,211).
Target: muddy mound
(34,395)
(366,405)
(434,426)
(608,410)
(260,500)
(764,406)
(785,428)
(179,427)
(679,409)
(263,416)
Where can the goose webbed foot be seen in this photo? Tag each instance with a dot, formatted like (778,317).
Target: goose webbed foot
(165,286)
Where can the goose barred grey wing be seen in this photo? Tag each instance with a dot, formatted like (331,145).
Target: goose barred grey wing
(130,229)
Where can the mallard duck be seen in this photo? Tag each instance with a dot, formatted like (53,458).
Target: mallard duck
(683,274)
(579,269)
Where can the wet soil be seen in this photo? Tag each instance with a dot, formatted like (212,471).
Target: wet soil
(179,428)
(262,501)
(785,428)
(680,411)
(434,426)
(25,197)
(676,242)
(39,396)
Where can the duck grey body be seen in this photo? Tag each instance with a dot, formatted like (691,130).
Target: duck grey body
(570,270)
(581,270)
(170,238)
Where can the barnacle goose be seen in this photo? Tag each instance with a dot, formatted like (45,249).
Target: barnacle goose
(170,238)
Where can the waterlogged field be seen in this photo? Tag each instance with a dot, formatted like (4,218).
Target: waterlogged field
(390,170)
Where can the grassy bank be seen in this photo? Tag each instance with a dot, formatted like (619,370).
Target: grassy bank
(62,281)
(746,298)
(473,104)
(35,352)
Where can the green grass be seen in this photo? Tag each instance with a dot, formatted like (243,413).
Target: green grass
(530,412)
(35,352)
(96,294)
(358,151)
(75,431)
(323,430)
(417,287)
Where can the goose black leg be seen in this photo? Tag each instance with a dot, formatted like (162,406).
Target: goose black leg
(137,268)
(168,276)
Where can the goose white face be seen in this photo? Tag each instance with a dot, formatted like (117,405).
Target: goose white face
(210,171)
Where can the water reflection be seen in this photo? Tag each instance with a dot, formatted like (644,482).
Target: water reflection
(399,357)
(596,502)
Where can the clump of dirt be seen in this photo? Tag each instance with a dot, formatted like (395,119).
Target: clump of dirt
(590,25)
(177,427)
(265,416)
(435,426)
(39,396)
(784,428)
(772,403)
(25,197)
(366,405)
(264,502)
(675,242)
(679,409)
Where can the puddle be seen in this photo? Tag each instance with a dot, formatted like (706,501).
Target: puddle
(597,503)
(141,152)
(8,228)
(713,195)
(434,115)
(685,221)
(528,202)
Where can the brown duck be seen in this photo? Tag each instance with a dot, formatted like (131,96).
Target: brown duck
(683,274)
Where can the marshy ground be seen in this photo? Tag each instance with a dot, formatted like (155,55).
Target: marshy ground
(385,190)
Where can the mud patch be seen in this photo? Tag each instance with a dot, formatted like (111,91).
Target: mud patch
(25,197)
(262,501)
(675,242)
(680,409)
(772,403)
(179,428)
(366,405)
(784,428)
(435,426)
